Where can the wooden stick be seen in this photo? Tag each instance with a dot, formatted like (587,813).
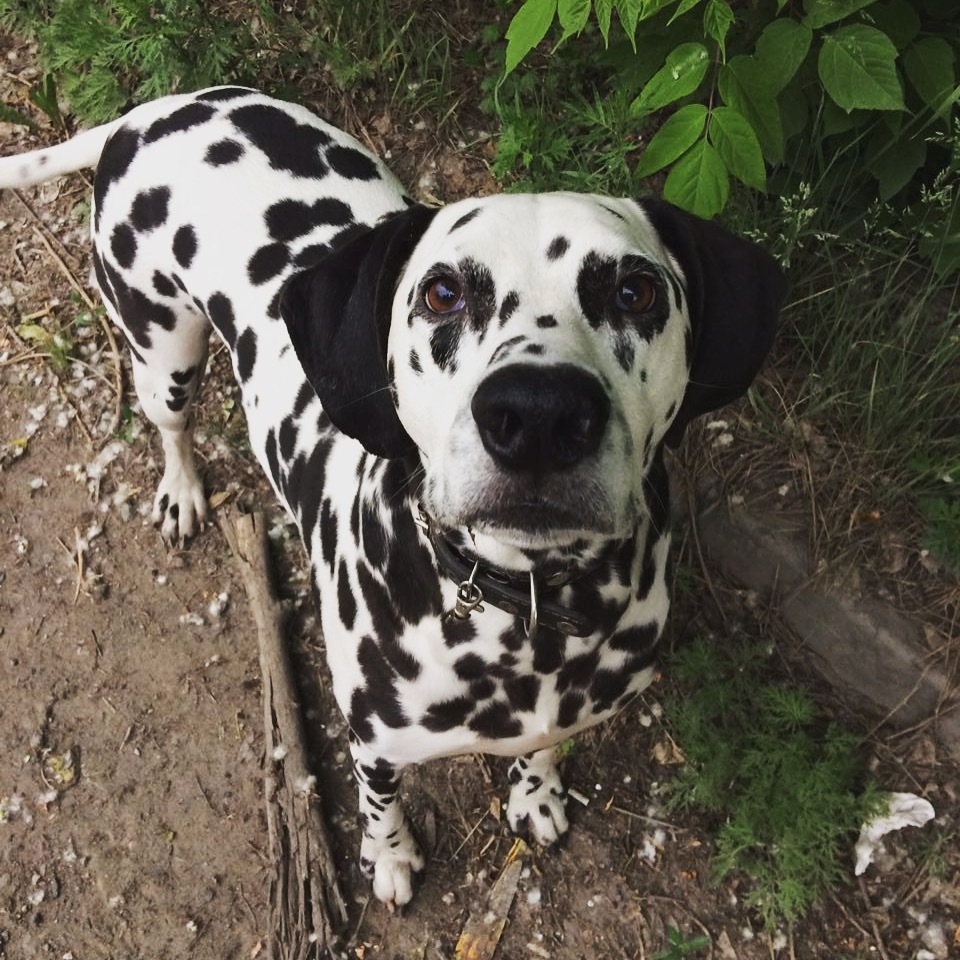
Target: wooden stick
(307,909)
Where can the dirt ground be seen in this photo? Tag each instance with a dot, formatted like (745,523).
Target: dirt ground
(131,761)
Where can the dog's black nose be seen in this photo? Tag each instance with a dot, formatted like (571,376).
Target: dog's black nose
(540,418)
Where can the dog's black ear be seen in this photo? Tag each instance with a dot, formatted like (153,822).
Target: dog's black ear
(735,290)
(338,317)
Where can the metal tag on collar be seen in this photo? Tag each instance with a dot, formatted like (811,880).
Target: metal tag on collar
(469,597)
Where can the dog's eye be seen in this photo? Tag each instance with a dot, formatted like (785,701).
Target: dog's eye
(636,294)
(444,296)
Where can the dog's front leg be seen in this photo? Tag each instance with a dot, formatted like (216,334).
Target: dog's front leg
(389,852)
(537,801)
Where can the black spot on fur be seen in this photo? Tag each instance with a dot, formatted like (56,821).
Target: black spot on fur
(224,152)
(273,460)
(114,162)
(328,533)
(351,163)
(149,209)
(222,94)
(304,395)
(558,247)
(457,631)
(596,283)
(123,245)
(501,352)
(522,692)
(482,689)
(246,354)
(184,118)
(496,721)
(287,437)
(267,263)
(102,282)
(183,377)
(359,714)
(547,650)
(373,536)
(470,667)
(164,285)
(387,625)
(447,714)
(220,312)
(638,641)
(510,303)
(444,343)
(289,145)
(570,705)
(624,352)
(578,671)
(546,321)
(185,246)
(346,603)
(290,219)
(483,293)
(415,365)
(465,219)
(176,404)
(138,311)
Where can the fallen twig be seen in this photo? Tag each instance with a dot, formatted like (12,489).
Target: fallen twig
(306,906)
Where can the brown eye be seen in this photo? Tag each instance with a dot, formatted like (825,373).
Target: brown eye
(636,294)
(444,296)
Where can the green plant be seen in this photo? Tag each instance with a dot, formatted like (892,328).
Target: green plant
(786,783)
(106,56)
(769,93)
(943,530)
(680,947)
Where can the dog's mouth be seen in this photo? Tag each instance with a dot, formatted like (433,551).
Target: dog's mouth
(538,524)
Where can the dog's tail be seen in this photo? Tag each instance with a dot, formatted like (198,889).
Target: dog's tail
(78,152)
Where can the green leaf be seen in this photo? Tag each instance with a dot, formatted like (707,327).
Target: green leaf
(718,18)
(746,85)
(893,162)
(682,7)
(573,15)
(681,74)
(673,139)
(630,12)
(46,97)
(818,13)
(857,66)
(736,142)
(929,65)
(527,28)
(698,181)
(604,12)
(10,114)
(782,47)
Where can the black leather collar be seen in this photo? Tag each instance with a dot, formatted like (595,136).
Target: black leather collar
(526,596)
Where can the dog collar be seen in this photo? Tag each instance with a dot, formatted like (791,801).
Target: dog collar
(526,596)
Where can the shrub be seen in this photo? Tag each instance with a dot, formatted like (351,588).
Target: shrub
(773,94)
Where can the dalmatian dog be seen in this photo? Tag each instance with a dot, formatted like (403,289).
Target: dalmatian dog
(464,410)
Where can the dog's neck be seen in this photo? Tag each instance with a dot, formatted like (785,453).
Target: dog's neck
(525,584)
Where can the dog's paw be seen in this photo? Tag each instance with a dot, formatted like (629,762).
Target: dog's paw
(180,508)
(391,862)
(537,804)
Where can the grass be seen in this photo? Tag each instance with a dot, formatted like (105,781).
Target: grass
(108,56)
(787,786)
(872,339)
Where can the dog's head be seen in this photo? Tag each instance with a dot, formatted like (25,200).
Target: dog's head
(534,351)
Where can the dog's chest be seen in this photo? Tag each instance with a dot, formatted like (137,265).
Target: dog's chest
(401,660)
